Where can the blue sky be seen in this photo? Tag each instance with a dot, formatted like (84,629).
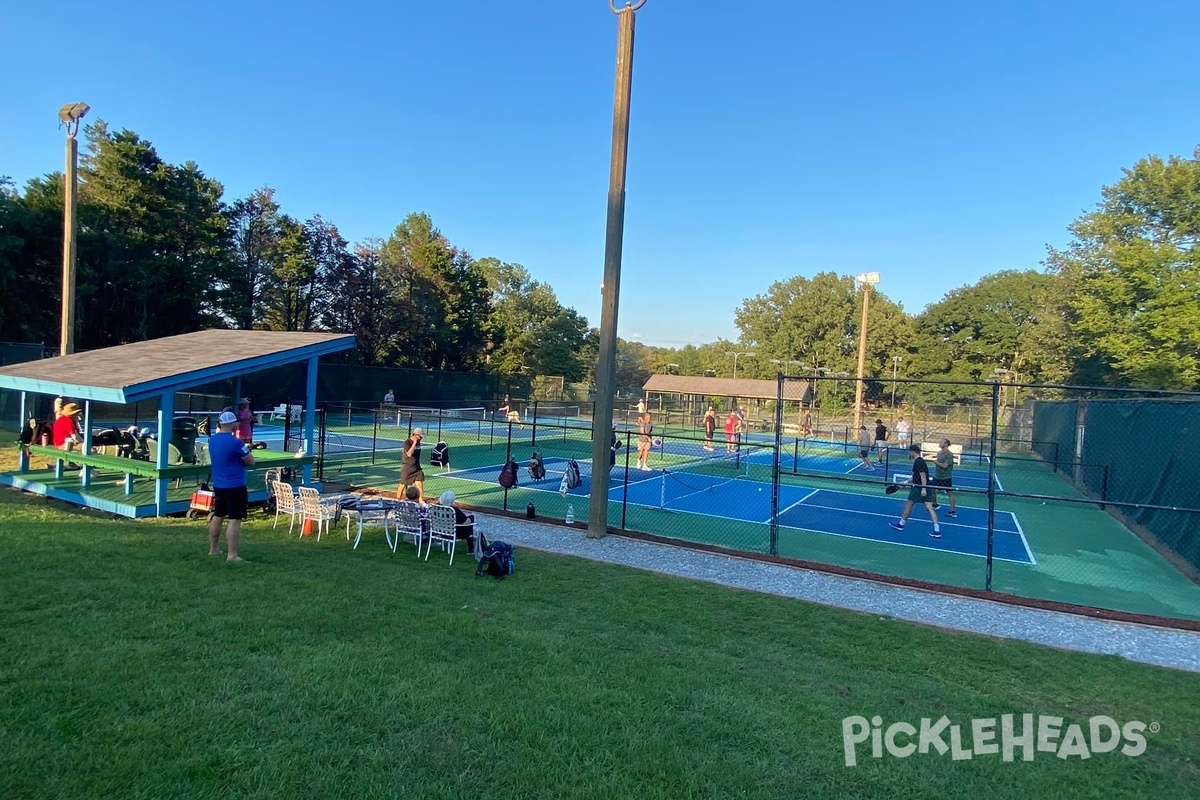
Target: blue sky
(933,142)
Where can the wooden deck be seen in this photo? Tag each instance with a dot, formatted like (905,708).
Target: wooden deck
(110,491)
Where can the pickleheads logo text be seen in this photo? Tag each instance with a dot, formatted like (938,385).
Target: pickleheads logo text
(1002,736)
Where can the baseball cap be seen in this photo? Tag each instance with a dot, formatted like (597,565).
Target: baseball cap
(418,432)
(227,418)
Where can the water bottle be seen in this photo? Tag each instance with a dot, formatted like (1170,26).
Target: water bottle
(570,515)
(530,511)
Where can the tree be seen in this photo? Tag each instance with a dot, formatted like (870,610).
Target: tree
(976,329)
(816,321)
(1131,278)
(152,245)
(533,333)
(440,293)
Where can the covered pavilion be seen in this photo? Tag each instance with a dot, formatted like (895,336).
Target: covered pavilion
(155,369)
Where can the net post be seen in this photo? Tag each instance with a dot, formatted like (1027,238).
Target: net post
(774,530)
(374,435)
(991,492)
(533,432)
(441,414)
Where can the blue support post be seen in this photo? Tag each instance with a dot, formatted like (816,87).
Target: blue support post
(128,483)
(166,416)
(87,441)
(310,416)
(23,454)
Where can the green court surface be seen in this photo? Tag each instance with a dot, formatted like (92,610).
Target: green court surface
(1082,555)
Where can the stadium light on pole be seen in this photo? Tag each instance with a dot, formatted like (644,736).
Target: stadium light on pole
(69,115)
(606,362)
(866,280)
(735,358)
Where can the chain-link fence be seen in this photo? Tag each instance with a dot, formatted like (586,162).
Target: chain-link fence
(1072,497)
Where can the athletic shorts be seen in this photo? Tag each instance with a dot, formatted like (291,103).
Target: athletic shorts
(230,503)
(409,478)
(945,483)
(914,494)
(863,453)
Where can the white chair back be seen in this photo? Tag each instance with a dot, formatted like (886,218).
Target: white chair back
(441,530)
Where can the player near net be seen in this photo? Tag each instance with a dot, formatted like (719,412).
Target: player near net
(510,413)
(919,491)
(645,440)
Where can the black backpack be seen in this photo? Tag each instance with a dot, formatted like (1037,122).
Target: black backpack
(499,560)
(440,457)
(573,478)
(508,474)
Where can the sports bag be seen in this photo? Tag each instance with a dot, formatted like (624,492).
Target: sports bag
(508,475)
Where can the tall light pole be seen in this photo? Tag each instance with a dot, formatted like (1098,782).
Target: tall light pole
(69,115)
(606,363)
(867,280)
(735,358)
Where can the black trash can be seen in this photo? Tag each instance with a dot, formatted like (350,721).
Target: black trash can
(183,436)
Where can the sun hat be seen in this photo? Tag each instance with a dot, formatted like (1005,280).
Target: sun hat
(70,408)
(227,418)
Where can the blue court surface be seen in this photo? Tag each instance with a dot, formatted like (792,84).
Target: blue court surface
(733,496)
(797,460)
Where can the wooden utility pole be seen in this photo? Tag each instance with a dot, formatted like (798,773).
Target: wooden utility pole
(606,364)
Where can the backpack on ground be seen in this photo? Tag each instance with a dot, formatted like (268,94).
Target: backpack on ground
(440,457)
(498,560)
(508,474)
(572,476)
(537,470)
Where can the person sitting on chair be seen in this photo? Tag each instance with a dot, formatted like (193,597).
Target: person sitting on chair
(464,523)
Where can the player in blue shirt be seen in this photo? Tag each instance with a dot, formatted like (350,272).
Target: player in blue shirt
(229,456)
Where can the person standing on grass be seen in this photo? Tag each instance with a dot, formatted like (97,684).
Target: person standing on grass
(229,457)
(710,427)
(903,429)
(864,447)
(881,433)
(943,474)
(919,491)
(411,474)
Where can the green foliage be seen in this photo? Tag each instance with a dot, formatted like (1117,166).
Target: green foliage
(978,329)
(1131,275)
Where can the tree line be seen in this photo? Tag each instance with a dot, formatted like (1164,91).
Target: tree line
(162,252)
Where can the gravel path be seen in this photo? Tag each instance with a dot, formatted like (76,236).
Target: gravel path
(1149,645)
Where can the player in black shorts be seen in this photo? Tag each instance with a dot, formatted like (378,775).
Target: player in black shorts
(943,474)
(919,492)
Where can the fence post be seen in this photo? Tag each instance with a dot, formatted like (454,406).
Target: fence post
(625,483)
(991,493)
(774,538)
(507,458)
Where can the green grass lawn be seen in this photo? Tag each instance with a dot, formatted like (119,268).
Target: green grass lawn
(133,665)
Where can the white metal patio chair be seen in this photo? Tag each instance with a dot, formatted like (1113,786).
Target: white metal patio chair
(286,503)
(409,523)
(442,530)
(314,509)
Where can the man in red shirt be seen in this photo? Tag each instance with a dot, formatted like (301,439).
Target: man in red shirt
(66,433)
(731,431)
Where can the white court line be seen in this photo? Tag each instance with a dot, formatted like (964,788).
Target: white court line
(793,505)
(1024,541)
